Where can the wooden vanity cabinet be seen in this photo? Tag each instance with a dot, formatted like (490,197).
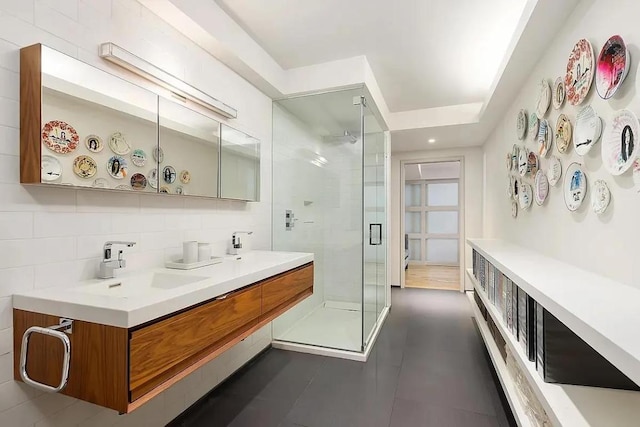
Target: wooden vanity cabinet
(122,368)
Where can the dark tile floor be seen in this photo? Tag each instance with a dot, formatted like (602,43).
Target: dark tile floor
(427,368)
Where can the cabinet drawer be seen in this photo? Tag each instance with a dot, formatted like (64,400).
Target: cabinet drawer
(161,350)
(281,289)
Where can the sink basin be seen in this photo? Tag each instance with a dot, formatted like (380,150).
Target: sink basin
(143,284)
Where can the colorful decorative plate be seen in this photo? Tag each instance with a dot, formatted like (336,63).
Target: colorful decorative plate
(558,93)
(169,174)
(525,196)
(575,186)
(179,190)
(85,166)
(119,144)
(51,169)
(544,138)
(620,148)
(123,187)
(60,137)
(580,72)
(600,197)
(541,187)
(523,162)
(515,152)
(164,189)
(138,157)
(554,173)
(514,209)
(521,124)
(158,154)
(636,174)
(588,130)
(534,122)
(117,167)
(614,62)
(138,181)
(544,98)
(564,133)
(153,178)
(94,143)
(100,183)
(533,163)
(185,175)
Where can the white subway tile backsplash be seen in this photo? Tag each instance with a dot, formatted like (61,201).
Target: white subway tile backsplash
(66,224)
(9,56)
(6,312)
(16,225)
(108,201)
(19,198)
(91,246)
(6,367)
(53,250)
(14,280)
(22,9)
(9,112)
(6,341)
(69,8)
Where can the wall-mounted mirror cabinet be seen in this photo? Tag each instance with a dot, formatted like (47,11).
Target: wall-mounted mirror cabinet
(83,127)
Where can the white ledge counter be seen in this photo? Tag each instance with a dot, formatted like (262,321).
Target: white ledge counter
(132,301)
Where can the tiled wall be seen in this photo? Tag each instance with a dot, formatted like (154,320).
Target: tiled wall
(53,237)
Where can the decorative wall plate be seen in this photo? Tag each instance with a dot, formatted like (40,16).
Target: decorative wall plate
(523,162)
(179,190)
(515,152)
(169,174)
(600,197)
(100,183)
(636,174)
(575,186)
(533,163)
(510,187)
(580,72)
(117,167)
(544,138)
(521,124)
(614,62)
(620,147)
(139,157)
(158,154)
(508,164)
(554,173)
(60,137)
(534,122)
(185,175)
(119,144)
(544,98)
(123,187)
(152,179)
(525,196)
(540,187)
(588,130)
(164,189)
(85,166)
(516,188)
(51,169)
(514,209)
(564,133)
(94,143)
(558,93)
(138,181)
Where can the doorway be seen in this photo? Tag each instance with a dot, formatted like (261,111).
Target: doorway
(432,225)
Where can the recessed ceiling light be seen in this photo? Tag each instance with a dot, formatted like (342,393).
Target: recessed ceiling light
(431,141)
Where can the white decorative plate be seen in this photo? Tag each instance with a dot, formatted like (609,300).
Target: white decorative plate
(544,98)
(620,147)
(525,196)
(544,137)
(164,189)
(169,174)
(515,152)
(100,183)
(51,169)
(534,122)
(119,144)
(179,190)
(558,93)
(523,162)
(521,124)
(94,143)
(636,174)
(533,164)
(554,173)
(514,209)
(580,72)
(158,154)
(564,133)
(139,157)
(600,197)
(510,187)
(516,188)
(588,130)
(85,166)
(541,188)
(185,175)
(153,178)
(60,137)
(575,186)
(614,62)
(117,167)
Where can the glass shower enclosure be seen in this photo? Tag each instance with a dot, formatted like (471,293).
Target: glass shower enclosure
(329,198)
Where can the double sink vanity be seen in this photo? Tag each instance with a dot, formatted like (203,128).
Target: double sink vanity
(133,336)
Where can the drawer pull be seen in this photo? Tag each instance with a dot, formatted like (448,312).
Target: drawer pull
(221,297)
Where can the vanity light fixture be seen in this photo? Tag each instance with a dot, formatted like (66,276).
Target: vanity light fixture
(125,59)
(431,141)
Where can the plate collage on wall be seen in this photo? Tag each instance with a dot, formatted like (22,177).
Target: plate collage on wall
(614,62)
(544,99)
(554,173)
(580,72)
(564,134)
(521,124)
(541,188)
(575,186)
(525,195)
(558,93)
(600,197)
(544,137)
(620,146)
(588,130)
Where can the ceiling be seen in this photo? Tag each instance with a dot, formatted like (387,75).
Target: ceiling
(424,53)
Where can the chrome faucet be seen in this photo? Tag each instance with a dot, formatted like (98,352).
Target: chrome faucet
(109,265)
(236,244)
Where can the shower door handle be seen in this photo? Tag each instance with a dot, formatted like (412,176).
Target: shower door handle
(375,240)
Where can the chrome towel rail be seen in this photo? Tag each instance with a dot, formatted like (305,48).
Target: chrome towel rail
(58,331)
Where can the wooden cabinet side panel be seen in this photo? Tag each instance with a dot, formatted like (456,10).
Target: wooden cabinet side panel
(98,370)
(281,289)
(30,113)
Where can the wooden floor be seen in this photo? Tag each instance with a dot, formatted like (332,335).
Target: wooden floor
(432,277)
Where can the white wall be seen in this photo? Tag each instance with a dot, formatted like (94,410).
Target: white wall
(602,244)
(53,237)
(472,186)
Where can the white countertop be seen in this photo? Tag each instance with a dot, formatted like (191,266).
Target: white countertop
(129,309)
(601,311)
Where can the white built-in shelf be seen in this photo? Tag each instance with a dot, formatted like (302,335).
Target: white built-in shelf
(566,405)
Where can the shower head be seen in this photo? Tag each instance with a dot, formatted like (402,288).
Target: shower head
(345,137)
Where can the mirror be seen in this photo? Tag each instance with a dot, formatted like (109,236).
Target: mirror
(189,151)
(239,165)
